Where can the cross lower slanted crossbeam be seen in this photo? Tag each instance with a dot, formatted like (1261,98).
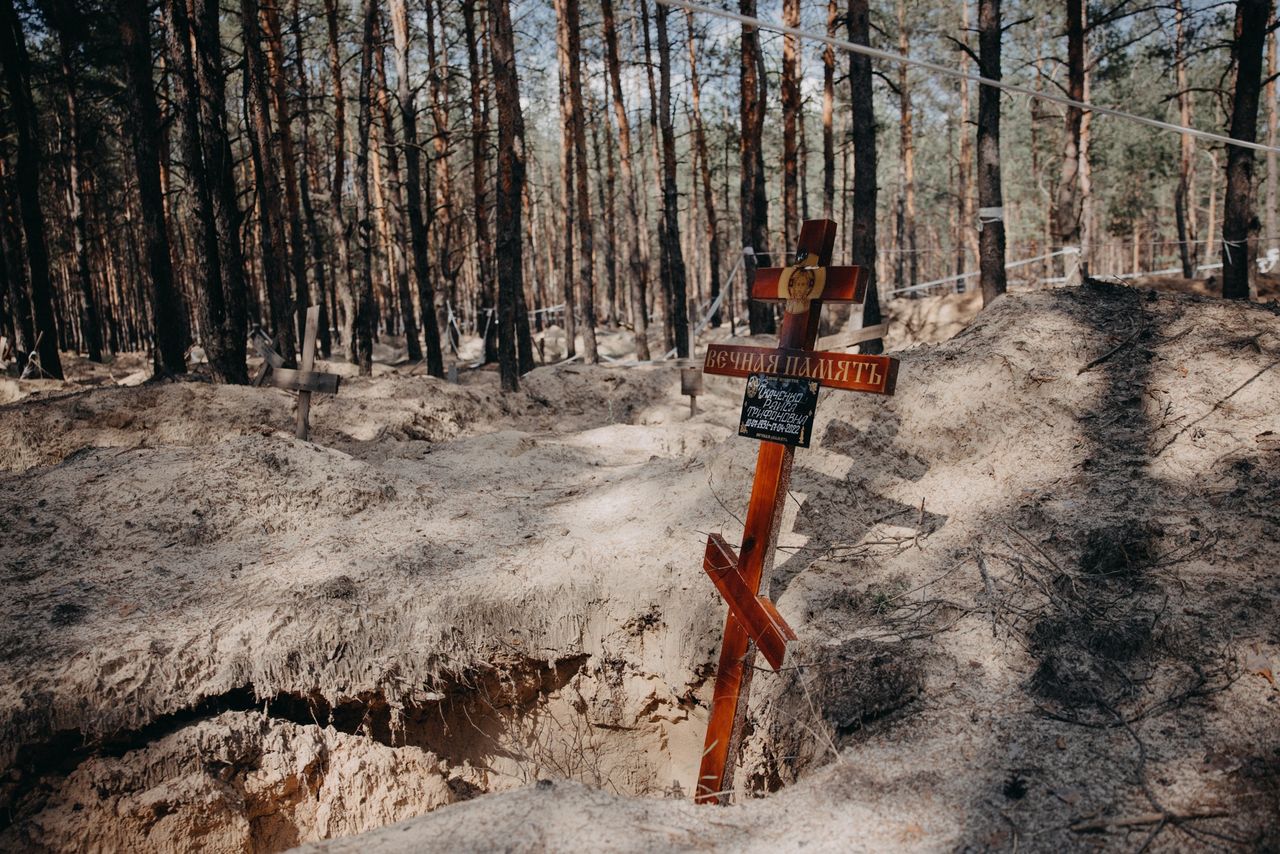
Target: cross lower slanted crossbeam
(753,621)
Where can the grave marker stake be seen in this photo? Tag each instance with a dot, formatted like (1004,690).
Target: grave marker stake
(307,363)
(305,380)
(753,622)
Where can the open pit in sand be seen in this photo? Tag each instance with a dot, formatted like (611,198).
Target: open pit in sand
(1033,590)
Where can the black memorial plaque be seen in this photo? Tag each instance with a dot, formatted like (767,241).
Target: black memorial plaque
(779,409)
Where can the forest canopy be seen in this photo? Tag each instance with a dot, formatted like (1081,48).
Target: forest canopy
(178,174)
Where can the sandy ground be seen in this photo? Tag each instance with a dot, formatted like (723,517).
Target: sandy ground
(1037,594)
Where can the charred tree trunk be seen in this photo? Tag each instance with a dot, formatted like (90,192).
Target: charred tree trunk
(448,253)
(271,243)
(24,334)
(790,94)
(863,226)
(704,164)
(297,255)
(635,262)
(586,241)
(967,239)
(341,234)
(605,182)
(1067,213)
(17,69)
(567,154)
(479,178)
(664,279)
(1239,222)
(1184,197)
(990,196)
(908,260)
(754,200)
(144,130)
(365,308)
(217,265)
(67,22)
(828,116)
(314,242)
(413,188)
(511,168)
(672,256)
(399,257)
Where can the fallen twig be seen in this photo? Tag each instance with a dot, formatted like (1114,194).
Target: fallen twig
(1116,349)
(1143,820)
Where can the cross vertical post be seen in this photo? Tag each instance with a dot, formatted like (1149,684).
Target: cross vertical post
(307,363)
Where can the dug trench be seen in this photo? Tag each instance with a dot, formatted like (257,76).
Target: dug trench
(243,773)
(223,639)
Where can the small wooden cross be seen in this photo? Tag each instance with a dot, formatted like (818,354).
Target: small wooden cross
(305,380)
(753,622)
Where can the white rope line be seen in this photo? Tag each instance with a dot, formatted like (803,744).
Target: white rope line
(850,47)
(715,306)
(1066,250)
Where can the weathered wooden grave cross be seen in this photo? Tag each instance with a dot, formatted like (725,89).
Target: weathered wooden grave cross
(305,380)
(781,394)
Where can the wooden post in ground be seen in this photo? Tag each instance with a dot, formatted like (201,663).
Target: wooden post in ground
(307,363)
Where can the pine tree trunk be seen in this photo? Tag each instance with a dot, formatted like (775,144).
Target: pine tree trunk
(635,263)
(24,334)
(511,176)
(297,255)
(144,130)
(65,22)
(1239,222)
(577,122)
(270,215)
(344,284)
(479,176)
(413,186)
(365,308)
(664,278)
(968,237)
(1273,174)
(567,154)
(908,258)
(990,196)
(448,253)
(17,69)
(216,262)
(675,273)
(1067,212)
(314,242)
(704,163)
(605,181)
(863,224)
(790,95)
(828,115)
(398,257)
(753,200)
(1184,197)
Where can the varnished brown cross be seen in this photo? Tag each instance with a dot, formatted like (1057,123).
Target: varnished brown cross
(753,621)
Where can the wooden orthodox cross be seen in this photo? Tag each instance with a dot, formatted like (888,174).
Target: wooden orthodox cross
(753,622)
(305,380)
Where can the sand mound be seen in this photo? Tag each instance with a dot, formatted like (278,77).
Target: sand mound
(1034,592)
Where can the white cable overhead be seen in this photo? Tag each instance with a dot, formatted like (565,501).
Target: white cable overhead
(888,56)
